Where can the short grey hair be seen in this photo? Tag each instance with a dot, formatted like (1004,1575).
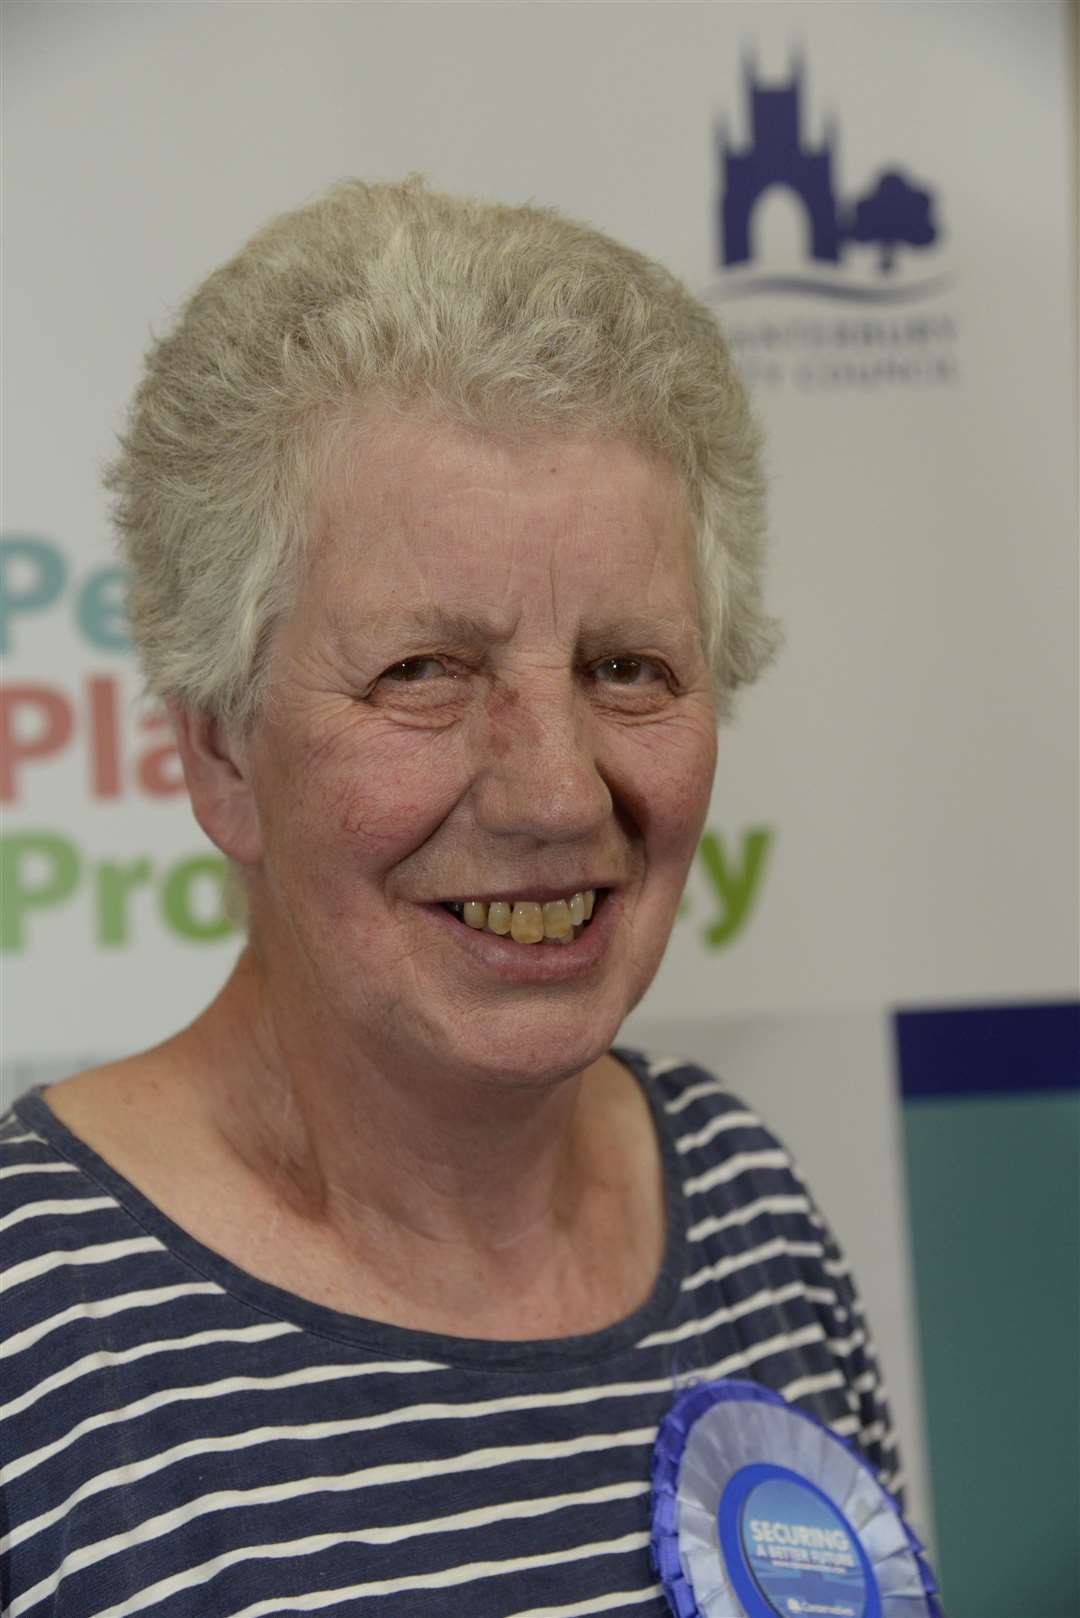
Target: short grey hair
(400,298)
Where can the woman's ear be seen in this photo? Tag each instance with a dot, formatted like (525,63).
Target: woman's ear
(218,782)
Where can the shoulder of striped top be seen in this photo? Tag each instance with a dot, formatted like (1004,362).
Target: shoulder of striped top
(696,1100)
(32,1171)
(717,1140)
(58,1227)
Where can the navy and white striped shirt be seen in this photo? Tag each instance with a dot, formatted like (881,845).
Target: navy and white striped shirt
(180,1438)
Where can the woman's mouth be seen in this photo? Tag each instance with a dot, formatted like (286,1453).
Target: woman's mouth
(528,921)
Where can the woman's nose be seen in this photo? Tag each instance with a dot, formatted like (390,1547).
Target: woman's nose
(536,769)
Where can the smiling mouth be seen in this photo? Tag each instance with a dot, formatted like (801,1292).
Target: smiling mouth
(558,921)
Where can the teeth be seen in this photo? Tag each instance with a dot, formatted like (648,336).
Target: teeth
(498,916)
(558,921)
(527,922)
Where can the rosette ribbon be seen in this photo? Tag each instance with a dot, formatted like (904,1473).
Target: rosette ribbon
(761,1511)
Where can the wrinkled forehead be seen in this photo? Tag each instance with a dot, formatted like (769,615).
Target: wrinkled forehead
(417,515)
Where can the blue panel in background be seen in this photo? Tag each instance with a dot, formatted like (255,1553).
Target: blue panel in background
(991,1121)
(988,1050)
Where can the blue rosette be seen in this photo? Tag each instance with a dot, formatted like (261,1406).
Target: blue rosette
(760,1511)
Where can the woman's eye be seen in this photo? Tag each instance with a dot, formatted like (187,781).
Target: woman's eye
(629,670)
(412,669)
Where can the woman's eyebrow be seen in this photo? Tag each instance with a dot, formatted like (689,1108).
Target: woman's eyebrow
(643,626)
(457,626)
(640,625)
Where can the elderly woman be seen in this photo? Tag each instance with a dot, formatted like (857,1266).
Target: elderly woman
(374,1285)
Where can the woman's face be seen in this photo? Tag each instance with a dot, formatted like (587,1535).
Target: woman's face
(491,687)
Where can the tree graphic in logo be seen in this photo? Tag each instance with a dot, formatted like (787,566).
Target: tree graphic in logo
(892,213)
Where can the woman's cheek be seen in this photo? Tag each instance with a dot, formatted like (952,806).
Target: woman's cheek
(389,801)
(667,777)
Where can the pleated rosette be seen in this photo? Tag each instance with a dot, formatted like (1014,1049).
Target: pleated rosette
(760,1511)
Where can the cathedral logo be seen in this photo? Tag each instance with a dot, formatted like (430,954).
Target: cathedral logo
(826,286)
(861,247)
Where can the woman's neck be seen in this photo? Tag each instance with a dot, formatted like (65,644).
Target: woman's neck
(339,1133)
(422,1201)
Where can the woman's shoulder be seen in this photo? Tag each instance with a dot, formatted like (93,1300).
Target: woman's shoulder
(697,1102)
(725,1157)
(102,1106)
(113,1136)
(127,1123)
(36,1178)
(56,1221)
(67,1236)
(50,1183)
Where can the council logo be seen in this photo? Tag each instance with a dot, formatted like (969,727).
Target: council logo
(830,276)
(859,247)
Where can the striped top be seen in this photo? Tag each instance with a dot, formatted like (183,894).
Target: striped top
(182,1439)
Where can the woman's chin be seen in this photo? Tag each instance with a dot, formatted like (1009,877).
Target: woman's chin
(520,1045)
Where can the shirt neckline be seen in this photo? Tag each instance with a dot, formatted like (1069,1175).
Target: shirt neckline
(378,1337)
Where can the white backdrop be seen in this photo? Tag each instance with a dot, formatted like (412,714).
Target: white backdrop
(907,775)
